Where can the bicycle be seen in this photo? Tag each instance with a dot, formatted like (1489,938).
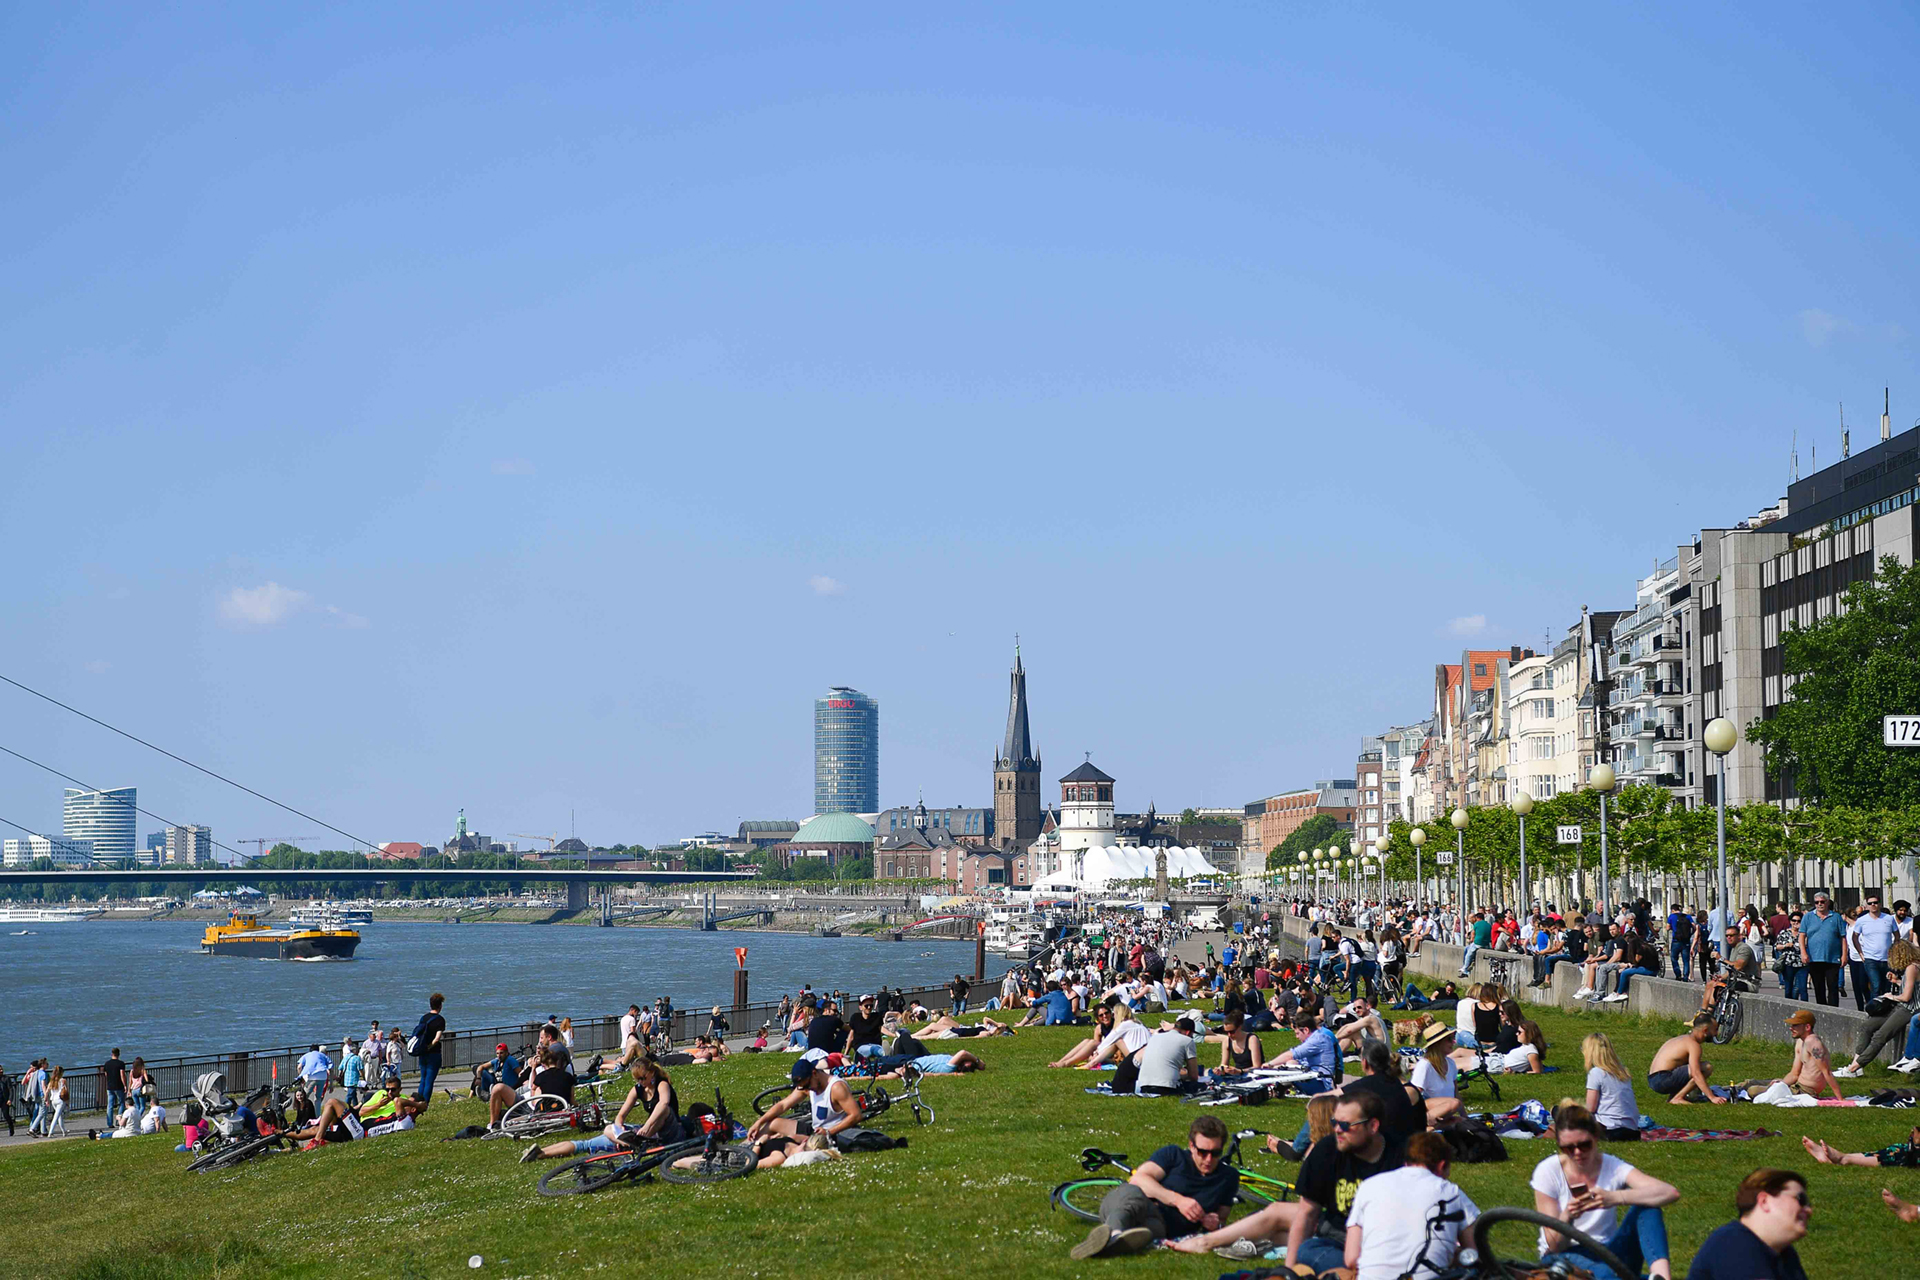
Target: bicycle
(545,1113)
(1724,1004)
(713,1157)
(229,1143)
(1500,973)
(1478,1261)
(874,1100)
(1081,1197)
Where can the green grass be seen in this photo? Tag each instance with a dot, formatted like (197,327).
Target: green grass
(969,1196)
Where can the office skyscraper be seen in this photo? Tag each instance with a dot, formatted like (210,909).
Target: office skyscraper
(846,752)
(106,819)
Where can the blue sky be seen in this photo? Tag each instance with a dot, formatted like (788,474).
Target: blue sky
(533,412)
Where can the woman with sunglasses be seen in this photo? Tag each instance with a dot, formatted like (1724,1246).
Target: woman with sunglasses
(1582,1185)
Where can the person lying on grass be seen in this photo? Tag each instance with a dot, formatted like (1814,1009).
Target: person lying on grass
(382,1114)
(936,1064)
(947,1027)
(1901,1155)
(652,1094)
(707,1049)
(1901,1209)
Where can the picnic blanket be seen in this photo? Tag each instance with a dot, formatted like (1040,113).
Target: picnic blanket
(1665,1133)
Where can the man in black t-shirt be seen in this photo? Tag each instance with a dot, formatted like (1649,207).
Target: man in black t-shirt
(1174,1192)
(828,1030)
(864,1028)
(1399,1119)
(1331,1174)
(1774,1208)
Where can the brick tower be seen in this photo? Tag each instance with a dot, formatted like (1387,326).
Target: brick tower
(1016,772)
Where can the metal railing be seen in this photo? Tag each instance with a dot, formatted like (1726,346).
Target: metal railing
(461,1051)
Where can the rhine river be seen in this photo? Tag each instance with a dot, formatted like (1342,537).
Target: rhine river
(73,991)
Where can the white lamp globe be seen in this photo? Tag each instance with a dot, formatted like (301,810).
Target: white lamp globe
(1523,804)
(1459,819)
(1721,736)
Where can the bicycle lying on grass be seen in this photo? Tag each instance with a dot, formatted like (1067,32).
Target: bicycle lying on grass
(874,1100)
(546,1113)
(715,1157)
(1478,1261)
(1081,1197)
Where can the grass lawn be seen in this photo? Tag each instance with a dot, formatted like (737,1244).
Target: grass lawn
(968,1197)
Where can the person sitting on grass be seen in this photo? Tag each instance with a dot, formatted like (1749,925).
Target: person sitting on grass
(1437,1074)
(1812,1070)
(1365,1024)
(501,1068)
(1773,1209)
(1901,1155)
(1240,1050)
(1610,1090)
(1518,1045)
(1387,1227)
(1678,1069)
(1899,1003)
(548,1078)
(1317,1052)
(386,1112)
(653,1093)
(827,1105)
(1102,1026)
(1582,1185)
(1173,1193)
(1054,1009)
(1128,1037)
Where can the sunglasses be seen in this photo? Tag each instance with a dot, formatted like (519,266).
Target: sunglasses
(1348,1126)
(1577,1148)
(1204,1153)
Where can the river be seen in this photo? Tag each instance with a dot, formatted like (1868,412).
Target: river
(73,991)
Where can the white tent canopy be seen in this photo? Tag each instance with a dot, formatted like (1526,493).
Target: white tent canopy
(1110,864)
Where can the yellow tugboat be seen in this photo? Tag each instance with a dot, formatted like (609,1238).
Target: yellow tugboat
(244,935)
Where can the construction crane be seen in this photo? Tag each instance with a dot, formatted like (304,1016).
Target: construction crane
(260,843)
(528,835)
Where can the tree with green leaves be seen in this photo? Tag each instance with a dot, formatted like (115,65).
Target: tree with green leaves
(1317,832)
(1848,671)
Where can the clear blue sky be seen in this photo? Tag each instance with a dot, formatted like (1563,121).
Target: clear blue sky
(410,410)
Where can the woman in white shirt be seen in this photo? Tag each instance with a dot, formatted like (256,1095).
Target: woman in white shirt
(1583,1186)
(1610,1091)
(1436,1073)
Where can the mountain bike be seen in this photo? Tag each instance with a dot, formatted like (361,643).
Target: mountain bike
(713,1157)
(1725,1005)
(1081,1197)
(545,1113)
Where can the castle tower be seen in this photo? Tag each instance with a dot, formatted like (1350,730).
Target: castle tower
(1016,772)
(1086,810)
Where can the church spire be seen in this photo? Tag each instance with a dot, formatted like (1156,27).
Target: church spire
(1017,751)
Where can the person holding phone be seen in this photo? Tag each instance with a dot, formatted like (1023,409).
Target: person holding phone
(1582,1185)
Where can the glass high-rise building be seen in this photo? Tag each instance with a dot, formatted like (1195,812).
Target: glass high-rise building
(846,752)
(107,819)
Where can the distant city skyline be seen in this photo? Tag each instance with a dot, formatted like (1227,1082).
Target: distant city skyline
(537,419)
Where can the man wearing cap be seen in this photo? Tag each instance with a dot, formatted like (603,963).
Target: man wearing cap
(1812,1070)
(1822,948)
(830,1105)
(501,1068)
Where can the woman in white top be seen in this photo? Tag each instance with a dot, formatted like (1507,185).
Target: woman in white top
(1610,1091)
(1582,1186)
(1435,1074)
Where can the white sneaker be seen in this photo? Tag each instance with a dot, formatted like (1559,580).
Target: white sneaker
(1617,997)
(1849,1072)
(1906,1065)
(1583,993)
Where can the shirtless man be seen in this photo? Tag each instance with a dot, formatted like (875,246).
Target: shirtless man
(1812,1070)
(1366,1023)
(1677,1068)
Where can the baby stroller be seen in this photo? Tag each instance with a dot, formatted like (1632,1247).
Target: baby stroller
(234,1133)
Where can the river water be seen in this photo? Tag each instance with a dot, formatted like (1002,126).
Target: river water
(73,991)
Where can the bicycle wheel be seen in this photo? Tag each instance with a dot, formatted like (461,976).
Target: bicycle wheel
(767,1097)
(1576,1240)
(873,1102)
(729,1160)
(1082,1196)
(1257,1190)
(1726,1016)
(531,1117)
(225,1157)
(589,1173)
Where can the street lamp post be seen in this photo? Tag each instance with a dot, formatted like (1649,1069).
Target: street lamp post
(1459,821)
(1720,738)
(1522,806)
(1418,837)
(1602,781)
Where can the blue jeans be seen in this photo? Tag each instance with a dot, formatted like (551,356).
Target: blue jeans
(1683,964)
(1912,1049)
(1639,1240)
(116,1103)
(1627,976)
(1876,972)
(1466,961)
(959,1006)
(429,1068)
(1322,1255)
(1794,982)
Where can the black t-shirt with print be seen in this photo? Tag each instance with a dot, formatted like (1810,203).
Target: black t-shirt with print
(1330,1178)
